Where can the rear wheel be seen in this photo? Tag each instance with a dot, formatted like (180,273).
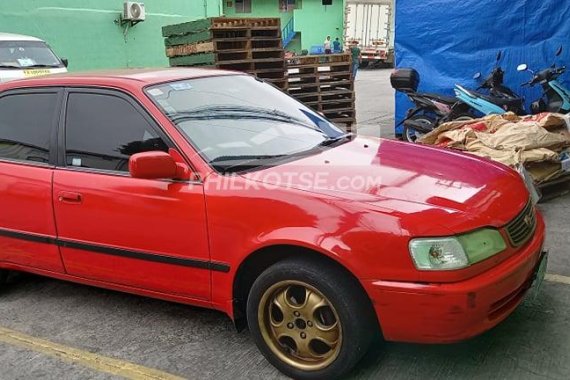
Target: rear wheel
(464,117)
(310,319)
(411,134)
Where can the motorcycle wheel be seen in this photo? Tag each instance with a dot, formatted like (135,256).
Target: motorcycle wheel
(411,135)
(464,117)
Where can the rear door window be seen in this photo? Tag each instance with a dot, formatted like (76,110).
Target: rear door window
(102,131)
(26,121)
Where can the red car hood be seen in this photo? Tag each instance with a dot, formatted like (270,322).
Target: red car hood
(407,179)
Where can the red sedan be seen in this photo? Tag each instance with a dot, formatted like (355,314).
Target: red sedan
(215,189)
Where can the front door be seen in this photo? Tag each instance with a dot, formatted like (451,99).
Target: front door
(148,234)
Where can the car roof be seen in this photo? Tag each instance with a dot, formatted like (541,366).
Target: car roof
(118,78)
(17,37)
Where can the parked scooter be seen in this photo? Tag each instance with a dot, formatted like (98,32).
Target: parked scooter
(430,109)
(555,98)
(500,98)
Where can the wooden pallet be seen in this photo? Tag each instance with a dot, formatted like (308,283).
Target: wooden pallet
(252,45)
(324,83)
(319,59)
(220,23)
(555,188)
(189,49)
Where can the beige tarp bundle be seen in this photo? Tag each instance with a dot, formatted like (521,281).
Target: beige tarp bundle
(535,141)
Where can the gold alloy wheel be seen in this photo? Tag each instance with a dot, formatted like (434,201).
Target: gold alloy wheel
(300,325)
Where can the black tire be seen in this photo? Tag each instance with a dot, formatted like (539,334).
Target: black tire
(3,276)
(356,318)
(410,134)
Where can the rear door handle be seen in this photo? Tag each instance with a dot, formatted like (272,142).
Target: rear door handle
(69,197)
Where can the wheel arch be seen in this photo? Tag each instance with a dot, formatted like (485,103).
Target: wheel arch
(261,259)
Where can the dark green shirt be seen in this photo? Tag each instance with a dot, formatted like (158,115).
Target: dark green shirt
(355,50)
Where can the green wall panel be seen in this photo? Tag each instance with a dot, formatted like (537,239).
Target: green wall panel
(85,31)
(314,20)
(260,8)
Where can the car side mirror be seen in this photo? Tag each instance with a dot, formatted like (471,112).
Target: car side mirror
(477,76)
(65,62)
(522,67)
(157,165)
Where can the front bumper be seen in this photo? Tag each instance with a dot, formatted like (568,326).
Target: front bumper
(451,312)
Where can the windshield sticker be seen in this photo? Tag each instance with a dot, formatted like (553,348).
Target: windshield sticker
(181,86)
(25,62)
(155,92)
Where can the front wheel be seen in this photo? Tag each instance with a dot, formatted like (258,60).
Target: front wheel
(3,276)
(310,319)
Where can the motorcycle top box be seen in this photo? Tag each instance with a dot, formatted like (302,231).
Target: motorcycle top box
(405,80)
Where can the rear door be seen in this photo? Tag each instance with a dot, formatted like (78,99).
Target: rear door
(148,234)
(28,120)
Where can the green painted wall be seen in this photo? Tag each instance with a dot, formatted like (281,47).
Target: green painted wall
(84,31)
(316,21)
(295,44)
(260,8)
(313,21)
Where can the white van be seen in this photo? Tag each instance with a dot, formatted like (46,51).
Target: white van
(26,56)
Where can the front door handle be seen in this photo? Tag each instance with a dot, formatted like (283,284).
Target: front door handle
(69,197)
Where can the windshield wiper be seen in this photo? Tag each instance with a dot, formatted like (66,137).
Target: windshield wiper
(334,140)
(10,67)
(236,112)
(227,164)
(39,66)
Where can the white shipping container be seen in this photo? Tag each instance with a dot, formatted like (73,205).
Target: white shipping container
(368,22)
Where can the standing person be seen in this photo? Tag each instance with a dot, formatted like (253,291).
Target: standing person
(327,45)
(336,45)
(356,58)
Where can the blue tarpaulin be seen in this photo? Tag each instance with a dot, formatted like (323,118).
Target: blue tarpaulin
(448,41)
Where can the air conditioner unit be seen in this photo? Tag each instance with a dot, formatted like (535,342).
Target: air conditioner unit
(134,11)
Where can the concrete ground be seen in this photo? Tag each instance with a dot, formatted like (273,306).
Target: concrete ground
(374,103)
(42,321)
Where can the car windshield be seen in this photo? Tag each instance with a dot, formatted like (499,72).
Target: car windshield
(237,122)
(27,54)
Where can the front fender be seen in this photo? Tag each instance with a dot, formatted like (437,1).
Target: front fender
(310,238)
(348,232)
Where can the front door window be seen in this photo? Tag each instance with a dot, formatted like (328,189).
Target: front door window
(103,131)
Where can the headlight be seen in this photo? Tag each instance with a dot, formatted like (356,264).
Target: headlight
(451,253)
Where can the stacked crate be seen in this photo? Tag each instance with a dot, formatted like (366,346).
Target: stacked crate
(251,45)
(324,83)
